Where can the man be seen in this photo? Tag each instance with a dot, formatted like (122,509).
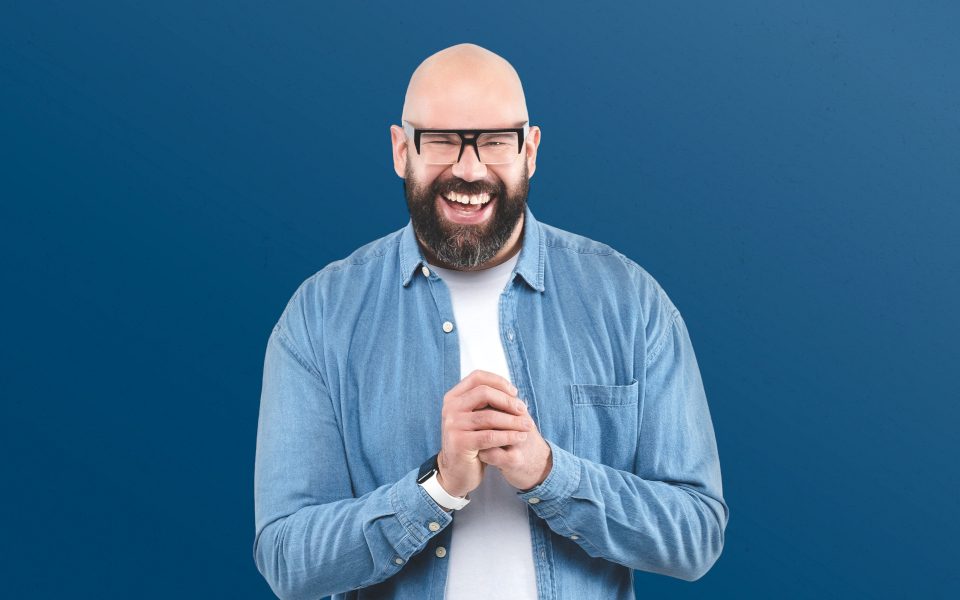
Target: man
(480,405)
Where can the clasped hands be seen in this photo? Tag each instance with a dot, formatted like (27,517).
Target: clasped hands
(483,422)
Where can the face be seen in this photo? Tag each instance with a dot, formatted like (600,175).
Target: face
(465,242)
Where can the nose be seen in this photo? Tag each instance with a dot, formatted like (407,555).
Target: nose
(470,168)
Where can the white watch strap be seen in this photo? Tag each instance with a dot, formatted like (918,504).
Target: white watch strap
(440,496)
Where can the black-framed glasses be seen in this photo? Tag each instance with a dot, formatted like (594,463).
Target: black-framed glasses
(445,146)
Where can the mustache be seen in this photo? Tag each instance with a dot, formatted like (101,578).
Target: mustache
(468,188)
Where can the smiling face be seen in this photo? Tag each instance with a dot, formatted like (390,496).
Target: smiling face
(465,87)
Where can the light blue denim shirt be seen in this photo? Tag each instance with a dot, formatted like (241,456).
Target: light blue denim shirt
(354,377)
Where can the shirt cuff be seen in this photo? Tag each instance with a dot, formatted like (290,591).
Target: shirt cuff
(420,515)
(548,498)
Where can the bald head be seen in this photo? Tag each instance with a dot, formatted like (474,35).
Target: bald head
(465,86)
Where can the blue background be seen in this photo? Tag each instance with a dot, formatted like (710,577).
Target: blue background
(171,171)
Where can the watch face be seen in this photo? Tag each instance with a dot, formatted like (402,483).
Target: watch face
(426,476)
(427,469)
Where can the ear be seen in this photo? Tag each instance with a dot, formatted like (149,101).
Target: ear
(531,142)
(399,140)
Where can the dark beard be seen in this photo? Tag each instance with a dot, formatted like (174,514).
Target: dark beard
(464,247)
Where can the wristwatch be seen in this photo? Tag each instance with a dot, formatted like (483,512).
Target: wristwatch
(427,478)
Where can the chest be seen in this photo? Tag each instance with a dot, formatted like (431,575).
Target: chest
(572,358)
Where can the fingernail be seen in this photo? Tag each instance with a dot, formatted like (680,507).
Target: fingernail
(522,436)
(521,406)
(514,390)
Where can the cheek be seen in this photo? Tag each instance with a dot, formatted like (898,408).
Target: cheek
(513,186)
(420,186)
(428,177)
(509,179)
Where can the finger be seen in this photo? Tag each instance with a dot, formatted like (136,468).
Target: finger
(483,396)
(493,438)
(493,456)
(493,419)
(505,457)
(480,377)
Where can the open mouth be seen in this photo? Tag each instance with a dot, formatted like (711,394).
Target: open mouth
(463,208)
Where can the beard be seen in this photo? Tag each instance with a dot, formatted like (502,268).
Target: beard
(459,246)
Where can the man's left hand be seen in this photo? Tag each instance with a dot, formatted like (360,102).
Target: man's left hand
(525,464)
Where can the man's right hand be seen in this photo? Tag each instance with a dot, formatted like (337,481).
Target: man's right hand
(480,412)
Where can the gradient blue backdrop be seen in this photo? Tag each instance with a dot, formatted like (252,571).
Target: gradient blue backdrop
(171,171)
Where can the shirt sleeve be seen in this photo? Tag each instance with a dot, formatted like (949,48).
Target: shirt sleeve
(313,537)
(667,516)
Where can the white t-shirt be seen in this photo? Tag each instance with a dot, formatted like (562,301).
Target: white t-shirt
(491,553)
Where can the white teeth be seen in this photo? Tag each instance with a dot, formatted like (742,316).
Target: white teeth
(464,199)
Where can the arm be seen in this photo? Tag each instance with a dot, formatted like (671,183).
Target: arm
(313,537)
(669,516)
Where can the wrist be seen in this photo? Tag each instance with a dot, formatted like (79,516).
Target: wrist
(548,466)
(429,480)
(440,495)
(447,489)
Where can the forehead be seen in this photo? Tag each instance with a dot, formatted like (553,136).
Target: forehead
(467,104)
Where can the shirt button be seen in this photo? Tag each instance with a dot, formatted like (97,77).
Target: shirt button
(447,326)
(440,552)
(510,334)
(398,560)
(433,526)
(425,271)
(534,500)
(574,537)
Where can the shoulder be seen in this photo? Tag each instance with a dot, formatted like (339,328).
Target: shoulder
(606,269)
(370,256)
(343,276)
(567,248)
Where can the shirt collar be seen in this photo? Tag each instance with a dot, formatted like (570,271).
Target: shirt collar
(529,263)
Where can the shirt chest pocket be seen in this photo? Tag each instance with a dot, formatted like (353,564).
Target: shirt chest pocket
(606,423)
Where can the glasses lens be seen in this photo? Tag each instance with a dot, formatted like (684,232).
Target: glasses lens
(498,148)
(439,148)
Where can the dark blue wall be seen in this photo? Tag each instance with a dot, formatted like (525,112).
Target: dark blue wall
(171,171)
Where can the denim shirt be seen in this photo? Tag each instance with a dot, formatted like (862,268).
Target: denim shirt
(354,377)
